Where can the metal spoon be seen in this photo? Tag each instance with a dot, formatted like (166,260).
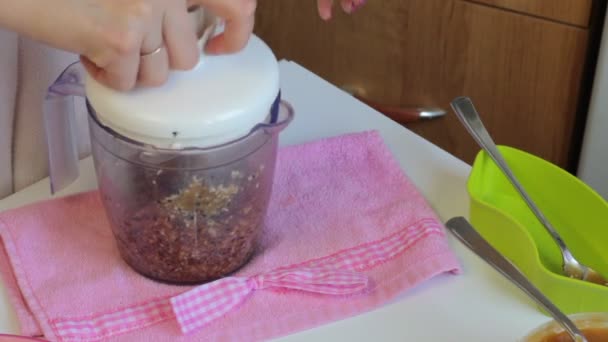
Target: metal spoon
(470,119)
(461,228)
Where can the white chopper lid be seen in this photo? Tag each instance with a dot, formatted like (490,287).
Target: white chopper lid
(218,101)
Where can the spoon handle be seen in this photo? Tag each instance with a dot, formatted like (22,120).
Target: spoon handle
(468,116)
(461,228)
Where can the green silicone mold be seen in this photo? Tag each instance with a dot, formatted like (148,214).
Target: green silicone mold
(577,212)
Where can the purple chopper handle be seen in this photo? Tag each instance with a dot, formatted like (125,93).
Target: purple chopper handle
(60,126)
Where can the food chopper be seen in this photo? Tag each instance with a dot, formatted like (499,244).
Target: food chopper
(184,170)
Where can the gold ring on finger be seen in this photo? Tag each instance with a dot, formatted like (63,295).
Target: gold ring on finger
(156,51)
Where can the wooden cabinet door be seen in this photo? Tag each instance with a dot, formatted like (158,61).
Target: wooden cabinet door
(575,12)
(522,72)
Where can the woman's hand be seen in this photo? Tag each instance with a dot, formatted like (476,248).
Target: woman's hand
(239,18)
(157,36)
(348,6)
(136,42)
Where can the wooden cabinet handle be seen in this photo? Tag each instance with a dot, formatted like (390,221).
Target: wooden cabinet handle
(402,115)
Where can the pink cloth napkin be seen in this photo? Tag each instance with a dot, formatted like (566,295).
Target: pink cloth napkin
(346,232)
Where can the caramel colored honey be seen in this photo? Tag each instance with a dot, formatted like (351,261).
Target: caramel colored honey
(592,335)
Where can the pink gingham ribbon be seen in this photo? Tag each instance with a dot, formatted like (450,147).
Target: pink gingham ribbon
(204,304)
(335,274)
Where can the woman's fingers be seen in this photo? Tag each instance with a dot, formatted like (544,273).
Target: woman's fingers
(113,58)
(356,4)
(179,32)
(239,18)
(153,67)
(153,54)
(326,7)
(234,38)
(142,40)
(119,73)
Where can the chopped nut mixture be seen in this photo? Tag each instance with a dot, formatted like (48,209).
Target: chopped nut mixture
(189,227)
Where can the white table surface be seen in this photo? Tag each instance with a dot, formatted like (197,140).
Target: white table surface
(478,305)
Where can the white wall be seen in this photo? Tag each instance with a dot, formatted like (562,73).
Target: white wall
(593,164)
